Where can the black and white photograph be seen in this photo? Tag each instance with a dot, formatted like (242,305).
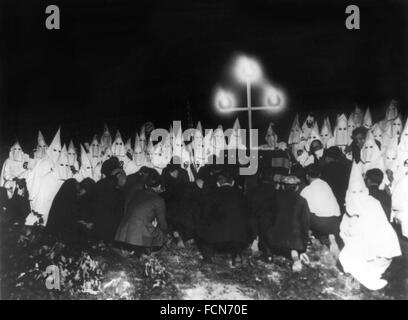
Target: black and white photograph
(203,150)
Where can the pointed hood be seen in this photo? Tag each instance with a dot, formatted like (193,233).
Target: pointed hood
(150,148)
(340,131)
(63,167)
(325,132)
(295,131)
(390,155)
(397,127)
(118,147)
(142,138)
(40,140)
(357,117)
(307,127)
(218,139)
(16,152)
(392,110)
(106,138)
(86,168)
(357,191)
(377,133)
(351,125)
(139,156)
(54,149)
(271,137)
(367,121)
(371,154)
(95,150)
(72,155)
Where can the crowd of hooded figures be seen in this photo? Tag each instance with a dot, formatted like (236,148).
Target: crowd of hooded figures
(347,186)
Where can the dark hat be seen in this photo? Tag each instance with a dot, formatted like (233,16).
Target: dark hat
(110,165)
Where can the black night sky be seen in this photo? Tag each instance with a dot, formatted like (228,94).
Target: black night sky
(125,61)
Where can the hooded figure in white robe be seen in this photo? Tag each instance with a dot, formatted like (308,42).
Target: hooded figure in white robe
(41,149)
(157,158)
(377,133)
(106,139)
(46,179)
(357,115)
(271,138)
(391,113)
(218,141)
(390,155)
(367,121)
(199,149)
(118,147)
(142,138)
(72,156)
(340,134)
(86,169)
(139,156)
(326,133)
(371,154)
(129,166)
(295,132)
(307,127)
(15,166)
(36,176)
(370,242)
(95,151)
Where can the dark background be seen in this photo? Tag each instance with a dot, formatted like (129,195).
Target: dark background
(128,61)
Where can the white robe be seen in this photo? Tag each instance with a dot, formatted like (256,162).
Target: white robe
(400,204)
(43,184)
(370,242)
(12,169)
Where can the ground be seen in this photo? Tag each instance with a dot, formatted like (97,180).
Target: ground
(176,273)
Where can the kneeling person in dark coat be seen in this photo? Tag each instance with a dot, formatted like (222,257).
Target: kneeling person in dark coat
(289,232)
(224,221)
(144,227)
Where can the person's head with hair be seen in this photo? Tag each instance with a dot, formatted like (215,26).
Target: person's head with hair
(313,172)
(359,136)
(374,177)
(154,182)
(316,145)
(109,166)
(291,183)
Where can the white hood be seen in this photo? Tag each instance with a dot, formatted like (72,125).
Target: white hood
(106,139)
(326,132)
(295,131)
(41,149)
(63,168)
(367,121)
(340,131)
(271,137)
(371,154)
(54,149)
(118,147)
